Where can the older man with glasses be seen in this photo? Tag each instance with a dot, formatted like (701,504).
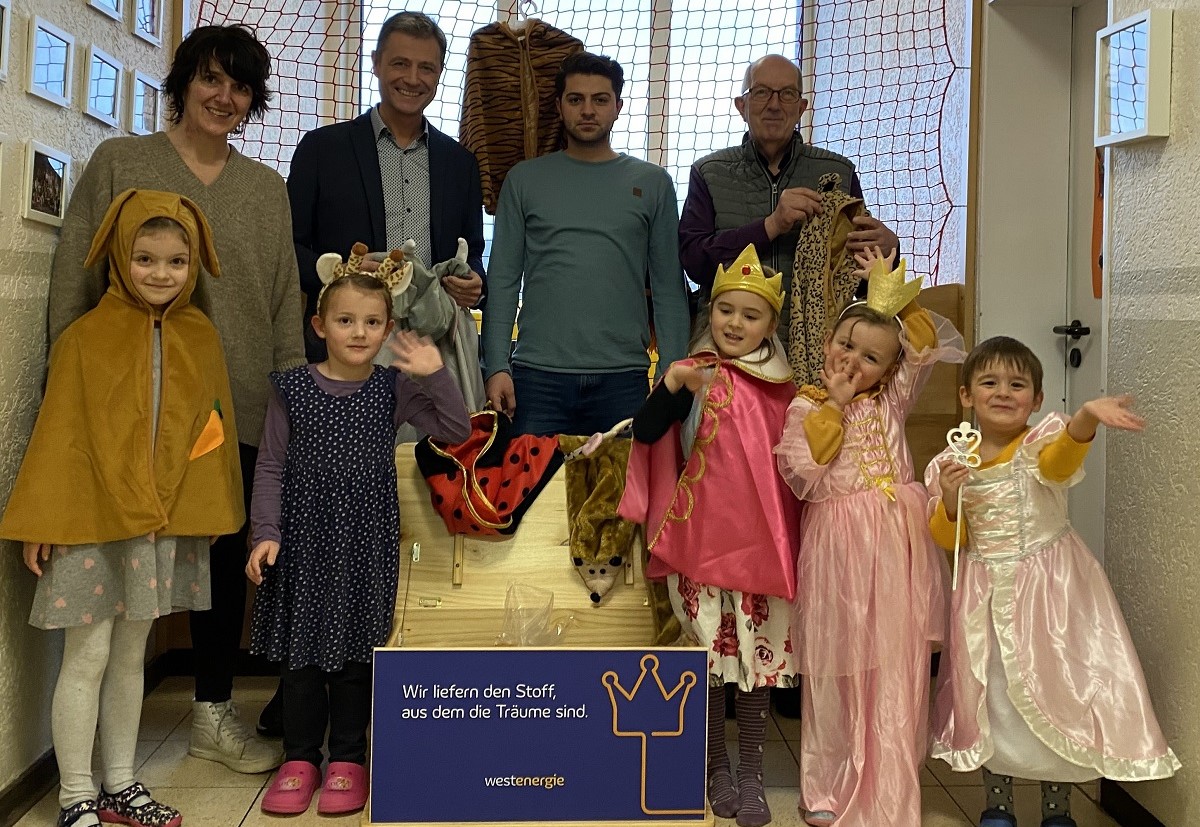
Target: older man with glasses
(763,191)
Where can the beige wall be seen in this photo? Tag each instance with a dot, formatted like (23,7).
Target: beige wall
(1153,488)
(28,657)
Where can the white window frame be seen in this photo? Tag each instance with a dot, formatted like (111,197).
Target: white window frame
(96,55)
(39,24)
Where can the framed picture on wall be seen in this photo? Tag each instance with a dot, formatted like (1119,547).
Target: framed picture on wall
(47,172)
(52,62)
(147,20)
(144,104)
(1133,79)
(5,29)
(105,80)
(187,18)
(113,8)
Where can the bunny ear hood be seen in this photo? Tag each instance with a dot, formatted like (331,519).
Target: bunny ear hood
(119,227)
(133,438)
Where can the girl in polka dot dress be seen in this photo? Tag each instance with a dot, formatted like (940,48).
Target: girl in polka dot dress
(326,531)
(131,468)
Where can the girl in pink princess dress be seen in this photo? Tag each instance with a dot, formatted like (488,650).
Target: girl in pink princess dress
(720,525)
(870,581)
(1039,678)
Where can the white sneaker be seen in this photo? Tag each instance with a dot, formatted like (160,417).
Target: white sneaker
(218,734)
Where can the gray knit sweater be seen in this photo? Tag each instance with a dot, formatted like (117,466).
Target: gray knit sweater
(256,305)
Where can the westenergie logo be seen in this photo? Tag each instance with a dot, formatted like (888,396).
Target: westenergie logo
(548,782)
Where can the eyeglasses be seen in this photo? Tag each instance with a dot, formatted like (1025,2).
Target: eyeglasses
(762,94)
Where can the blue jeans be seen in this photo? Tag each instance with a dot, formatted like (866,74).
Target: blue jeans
(575,403)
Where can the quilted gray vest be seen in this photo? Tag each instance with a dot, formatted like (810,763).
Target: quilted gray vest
(742,191)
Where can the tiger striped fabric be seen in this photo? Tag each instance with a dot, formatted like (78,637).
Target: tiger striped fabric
(509,111)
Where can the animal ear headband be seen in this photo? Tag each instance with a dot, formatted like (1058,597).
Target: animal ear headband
(395,271)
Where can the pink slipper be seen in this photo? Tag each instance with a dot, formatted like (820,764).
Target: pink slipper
(292,789)
(345,788)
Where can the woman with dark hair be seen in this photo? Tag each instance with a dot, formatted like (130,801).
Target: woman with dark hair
(217,83)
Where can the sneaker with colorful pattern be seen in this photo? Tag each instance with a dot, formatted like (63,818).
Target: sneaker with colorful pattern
(77,814)
(133,806)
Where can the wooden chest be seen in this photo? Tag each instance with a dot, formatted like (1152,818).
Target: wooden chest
(453,593)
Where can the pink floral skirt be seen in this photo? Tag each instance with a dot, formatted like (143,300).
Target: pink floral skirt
(748,636)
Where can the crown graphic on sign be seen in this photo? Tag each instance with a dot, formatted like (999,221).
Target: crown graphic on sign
(619,696)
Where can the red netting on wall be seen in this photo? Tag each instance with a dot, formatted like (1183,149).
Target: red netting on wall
(311,43)
(889,89)
(887,83)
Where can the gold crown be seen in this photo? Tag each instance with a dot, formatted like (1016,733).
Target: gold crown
(887,291)
(746,273)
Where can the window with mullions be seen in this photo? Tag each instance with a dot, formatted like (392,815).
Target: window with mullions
(705,48)
(887,83)
(670,117)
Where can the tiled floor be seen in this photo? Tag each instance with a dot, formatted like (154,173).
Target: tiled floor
(208,795)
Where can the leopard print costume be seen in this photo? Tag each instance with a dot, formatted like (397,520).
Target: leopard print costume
(823,278)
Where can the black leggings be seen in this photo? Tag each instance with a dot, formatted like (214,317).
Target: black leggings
(217,633)
(314,700)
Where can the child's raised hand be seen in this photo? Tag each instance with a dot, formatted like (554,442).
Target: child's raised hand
(840,386)
(866,260)
(1113,411)
(680,375)
(264,552)
(415,355)
(31,553)
(952,478)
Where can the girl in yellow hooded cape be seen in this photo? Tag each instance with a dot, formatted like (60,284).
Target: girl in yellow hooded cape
(131,468)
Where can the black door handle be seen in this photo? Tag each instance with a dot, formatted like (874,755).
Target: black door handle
(1075,329)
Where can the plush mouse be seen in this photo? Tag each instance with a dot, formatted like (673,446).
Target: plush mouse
(600,540)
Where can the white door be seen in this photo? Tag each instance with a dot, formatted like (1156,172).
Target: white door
(1035,204)
(1085,381)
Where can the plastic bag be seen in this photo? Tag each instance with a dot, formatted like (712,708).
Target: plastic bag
(529,617)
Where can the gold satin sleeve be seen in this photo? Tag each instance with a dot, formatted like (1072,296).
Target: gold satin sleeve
(1062,457)
(943,529)
(823,430)
(918,325)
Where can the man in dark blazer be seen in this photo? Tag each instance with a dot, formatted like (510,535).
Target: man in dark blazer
(388,175)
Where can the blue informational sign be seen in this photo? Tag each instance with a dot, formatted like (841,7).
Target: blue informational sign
(552,735)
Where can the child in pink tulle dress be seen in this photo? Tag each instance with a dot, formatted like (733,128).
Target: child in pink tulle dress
(1039,678)
(870,597)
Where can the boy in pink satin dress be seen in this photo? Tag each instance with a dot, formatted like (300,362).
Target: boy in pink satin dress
(1039,678)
